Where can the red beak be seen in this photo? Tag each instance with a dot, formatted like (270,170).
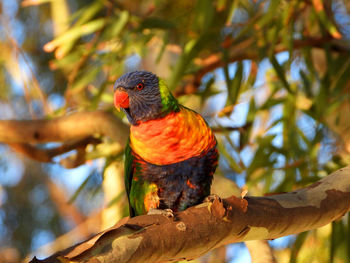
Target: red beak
(121,99)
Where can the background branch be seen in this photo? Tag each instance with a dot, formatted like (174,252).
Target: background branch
(248,52)
(46,155)
(260,251)
(66,128)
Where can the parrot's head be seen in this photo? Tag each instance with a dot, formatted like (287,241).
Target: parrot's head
(143,96)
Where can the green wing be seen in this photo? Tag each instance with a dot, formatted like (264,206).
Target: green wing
(128,174)
(141,193)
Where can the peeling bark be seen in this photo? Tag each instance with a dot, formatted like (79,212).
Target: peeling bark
(197,230)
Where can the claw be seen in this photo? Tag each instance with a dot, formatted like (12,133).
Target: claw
(165,212)
(211,198)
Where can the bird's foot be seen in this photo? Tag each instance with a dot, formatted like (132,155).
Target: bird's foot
(211,198)
(165,212)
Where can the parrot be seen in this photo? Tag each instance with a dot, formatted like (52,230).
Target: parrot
(171,154)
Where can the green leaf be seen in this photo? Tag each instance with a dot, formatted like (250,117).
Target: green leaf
(4,89)
(116,199)
(252,111)
(236,83)
(209,90)
(75,33)
(231,161)
(272,38)
(298,243)
(87,13)
(156,22)
(252,75)
(85,79)
(191,49)
(231,13)
(306,83)
(80,188)
(60,16)
(163,47)
(326,21)
(270,14)
(245,136)
(262,155)
(280,73)
(204,15)
(341,78)
(117,26)
(271,102)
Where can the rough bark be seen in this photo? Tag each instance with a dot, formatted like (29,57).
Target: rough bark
(197,230)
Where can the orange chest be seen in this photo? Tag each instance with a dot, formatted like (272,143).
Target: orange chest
(174,138)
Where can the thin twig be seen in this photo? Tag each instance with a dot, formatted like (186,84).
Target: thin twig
(218,129)
(42,96)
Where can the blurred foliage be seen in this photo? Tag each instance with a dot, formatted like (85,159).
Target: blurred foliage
(272,77)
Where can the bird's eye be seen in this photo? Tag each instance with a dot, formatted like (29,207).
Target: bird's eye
(140,86)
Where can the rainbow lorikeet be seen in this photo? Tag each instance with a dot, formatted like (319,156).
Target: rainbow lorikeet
(171,154)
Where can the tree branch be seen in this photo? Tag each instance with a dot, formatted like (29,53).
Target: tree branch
(197,230)
(260,251)
(238,53)
(72,127)
(46,155)
(76,131)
